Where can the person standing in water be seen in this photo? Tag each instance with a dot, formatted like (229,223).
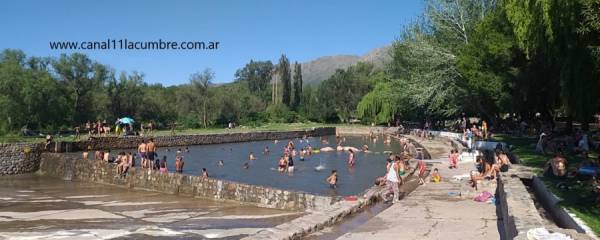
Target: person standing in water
(332,179)
(282,163)
(163,165)
(179,164)
(290,164)
(204,174)
(252,157)
(142,153)
(351,160)
(151,153)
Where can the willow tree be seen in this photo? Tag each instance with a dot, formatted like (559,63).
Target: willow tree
(547,29)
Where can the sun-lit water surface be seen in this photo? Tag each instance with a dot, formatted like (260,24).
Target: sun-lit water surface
(263,170)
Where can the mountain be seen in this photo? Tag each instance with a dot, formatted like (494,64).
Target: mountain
(315,71)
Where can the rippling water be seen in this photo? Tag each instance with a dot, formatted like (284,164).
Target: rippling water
(263,170)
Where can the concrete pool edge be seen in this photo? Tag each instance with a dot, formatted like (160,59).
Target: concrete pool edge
(317,220)
(103,143)
(73,168)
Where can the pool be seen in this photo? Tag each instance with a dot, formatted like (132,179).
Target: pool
(263,170)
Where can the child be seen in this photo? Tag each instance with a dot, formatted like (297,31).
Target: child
(332,179)
(453,158)
(351,160)
(422,168)
(163,165)
(435,176)
(204,174)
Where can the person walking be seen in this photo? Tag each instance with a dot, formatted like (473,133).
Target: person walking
(392,180)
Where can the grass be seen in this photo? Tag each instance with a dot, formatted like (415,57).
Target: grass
(577,197)
(13,138)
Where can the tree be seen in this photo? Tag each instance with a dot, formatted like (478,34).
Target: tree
(195,97)
(340,93)
(81,77)
(550,31)
(29,96)
(297,86)
(283,69)
(257,75)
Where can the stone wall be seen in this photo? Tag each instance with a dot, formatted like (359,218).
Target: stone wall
(517,209)
(74,168)
(19,158)
(186,140)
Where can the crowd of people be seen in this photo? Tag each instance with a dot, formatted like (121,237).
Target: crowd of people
(103,128)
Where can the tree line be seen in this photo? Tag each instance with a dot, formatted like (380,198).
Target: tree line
(496,59)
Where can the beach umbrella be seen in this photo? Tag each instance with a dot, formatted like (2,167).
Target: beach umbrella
(126,120)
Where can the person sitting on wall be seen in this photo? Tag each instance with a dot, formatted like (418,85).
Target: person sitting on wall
(48,142)
(556,166)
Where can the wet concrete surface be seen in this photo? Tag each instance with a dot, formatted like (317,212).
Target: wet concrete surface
(34,207)
(356,220)
(443,210)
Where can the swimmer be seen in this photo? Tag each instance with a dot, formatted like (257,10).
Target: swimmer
(276,141)
(252,157)
(187,150)
(332,179)
(266,151)
(246,165)
(327,149)
(365,148)
(220,163)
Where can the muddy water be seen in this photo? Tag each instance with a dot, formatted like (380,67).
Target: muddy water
(263,170)
(34,207)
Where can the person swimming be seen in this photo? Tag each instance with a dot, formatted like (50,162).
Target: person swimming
(266,150)
(332,179)
(220,163)
(252,157)
(246,165)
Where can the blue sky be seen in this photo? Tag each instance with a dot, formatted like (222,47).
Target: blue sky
(250,29)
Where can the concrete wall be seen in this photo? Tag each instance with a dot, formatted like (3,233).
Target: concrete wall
(186,140)
(517,209)
(74,168)
(552,204)
(19,158)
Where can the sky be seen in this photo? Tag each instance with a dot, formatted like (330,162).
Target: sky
(245,30)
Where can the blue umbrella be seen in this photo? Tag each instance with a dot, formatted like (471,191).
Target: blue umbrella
(126,120)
